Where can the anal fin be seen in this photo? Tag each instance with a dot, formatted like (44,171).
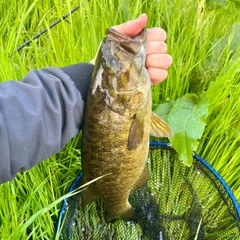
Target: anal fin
(88,196)
(143,178)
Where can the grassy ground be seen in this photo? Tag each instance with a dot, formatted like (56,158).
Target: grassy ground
(28,209)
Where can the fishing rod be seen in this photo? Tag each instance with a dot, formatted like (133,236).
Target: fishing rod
(45,30)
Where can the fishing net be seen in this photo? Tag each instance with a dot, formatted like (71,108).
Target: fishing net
(178,202)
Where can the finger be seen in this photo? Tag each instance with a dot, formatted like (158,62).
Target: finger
(157,75)
(156,34)
(132,27)
(156,47)
(163,61)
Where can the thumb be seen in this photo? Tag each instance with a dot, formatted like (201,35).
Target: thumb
(132,27)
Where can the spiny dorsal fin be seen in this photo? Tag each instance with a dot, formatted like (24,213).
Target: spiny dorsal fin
(159,128)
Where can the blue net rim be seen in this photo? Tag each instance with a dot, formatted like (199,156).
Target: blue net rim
(157,144)
(213,171)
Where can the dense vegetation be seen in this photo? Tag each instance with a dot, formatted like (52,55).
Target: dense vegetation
(203,39)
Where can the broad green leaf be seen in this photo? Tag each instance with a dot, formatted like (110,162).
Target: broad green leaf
(227,47)
(163,110)
(231,39)
(187,120)
(216,3)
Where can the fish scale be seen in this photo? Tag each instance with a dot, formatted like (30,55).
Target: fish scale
(116,124)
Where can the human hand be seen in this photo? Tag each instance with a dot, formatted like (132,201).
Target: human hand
(157,59)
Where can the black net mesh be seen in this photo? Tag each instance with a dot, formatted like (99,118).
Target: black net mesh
(179,202)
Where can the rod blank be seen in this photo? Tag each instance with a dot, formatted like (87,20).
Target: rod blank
(45,30)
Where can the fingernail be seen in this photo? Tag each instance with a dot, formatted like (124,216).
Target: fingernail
(142,15)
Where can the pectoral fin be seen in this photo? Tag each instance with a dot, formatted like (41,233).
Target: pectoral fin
(136,133)
(159,128)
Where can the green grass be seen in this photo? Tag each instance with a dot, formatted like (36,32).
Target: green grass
(191,32)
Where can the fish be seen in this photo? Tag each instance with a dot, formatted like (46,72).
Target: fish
(116,124)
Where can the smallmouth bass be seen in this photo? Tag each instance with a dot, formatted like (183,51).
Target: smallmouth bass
(117,123)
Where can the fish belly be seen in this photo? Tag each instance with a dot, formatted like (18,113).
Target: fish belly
(105,151)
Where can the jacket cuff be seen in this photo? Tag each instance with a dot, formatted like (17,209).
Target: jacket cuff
(81,75)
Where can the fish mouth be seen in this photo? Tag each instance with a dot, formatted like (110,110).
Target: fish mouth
(132,45)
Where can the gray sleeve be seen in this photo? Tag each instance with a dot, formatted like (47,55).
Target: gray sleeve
(38,116)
